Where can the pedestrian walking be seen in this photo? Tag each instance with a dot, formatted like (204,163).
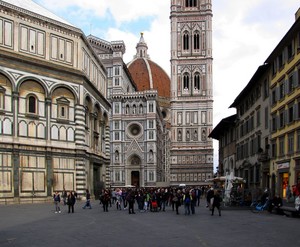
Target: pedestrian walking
(187,202)
(71,202)
(105,200)
(56,199)
(216,202)
(88,200)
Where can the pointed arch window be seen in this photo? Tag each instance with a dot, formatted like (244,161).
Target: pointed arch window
(196,41)
(186,41)
(186,81)
(197,81)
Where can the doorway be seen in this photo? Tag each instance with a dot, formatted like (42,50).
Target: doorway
(135,178)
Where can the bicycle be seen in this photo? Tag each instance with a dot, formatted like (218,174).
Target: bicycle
(257,207)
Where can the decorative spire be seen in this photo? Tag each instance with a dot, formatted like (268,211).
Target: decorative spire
(142,48)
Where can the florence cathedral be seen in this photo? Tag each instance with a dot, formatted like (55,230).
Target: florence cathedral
(75,116)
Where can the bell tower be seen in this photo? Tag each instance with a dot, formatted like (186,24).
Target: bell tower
(191,160)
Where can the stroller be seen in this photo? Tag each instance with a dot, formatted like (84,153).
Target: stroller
(154,206)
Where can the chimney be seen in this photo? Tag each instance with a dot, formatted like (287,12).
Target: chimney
(297,15)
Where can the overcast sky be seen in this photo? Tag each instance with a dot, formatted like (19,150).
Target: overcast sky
(245,32)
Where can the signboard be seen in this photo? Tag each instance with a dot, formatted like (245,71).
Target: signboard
(283,165)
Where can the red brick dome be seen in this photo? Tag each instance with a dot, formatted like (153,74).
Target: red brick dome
(147,74)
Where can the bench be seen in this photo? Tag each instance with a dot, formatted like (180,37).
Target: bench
(290,211)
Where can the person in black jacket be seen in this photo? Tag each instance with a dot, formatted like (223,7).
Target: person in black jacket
(71,201)
(130,198)
(216,202)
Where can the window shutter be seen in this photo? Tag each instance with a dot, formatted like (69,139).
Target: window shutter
(296,78)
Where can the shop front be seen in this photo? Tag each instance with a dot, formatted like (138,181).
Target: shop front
(283,170)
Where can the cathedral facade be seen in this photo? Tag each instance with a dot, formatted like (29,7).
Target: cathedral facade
(139,137)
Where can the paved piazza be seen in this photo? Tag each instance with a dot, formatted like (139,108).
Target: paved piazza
(38,225)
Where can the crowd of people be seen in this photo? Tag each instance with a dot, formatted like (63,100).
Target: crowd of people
(157,199)
(143,199)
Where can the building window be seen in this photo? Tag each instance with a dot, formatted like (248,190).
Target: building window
(258,118)
(151,176)
(117,125)
(281,146)
(32,104)
(186,81)
(280,60)
(117,81)
(186,41)
(290,83)
(290,51)
(274,99)
(291,143)
(151,135)
(274,123)
(266,89)
(151,108)
(197,81)
(291,113)
(266,117)
(190,3)
(117,108)
(274,150)
(63,105)
(151,124)
(196,41)
(117,70)
(117,136)
(281,119)
(281,91)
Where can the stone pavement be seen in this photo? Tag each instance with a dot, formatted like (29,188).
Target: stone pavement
(38,225)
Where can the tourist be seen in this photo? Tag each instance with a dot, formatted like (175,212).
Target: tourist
(187,199)
(56,198)
(105,200)
(71,201)
(88,200)
(216,202)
